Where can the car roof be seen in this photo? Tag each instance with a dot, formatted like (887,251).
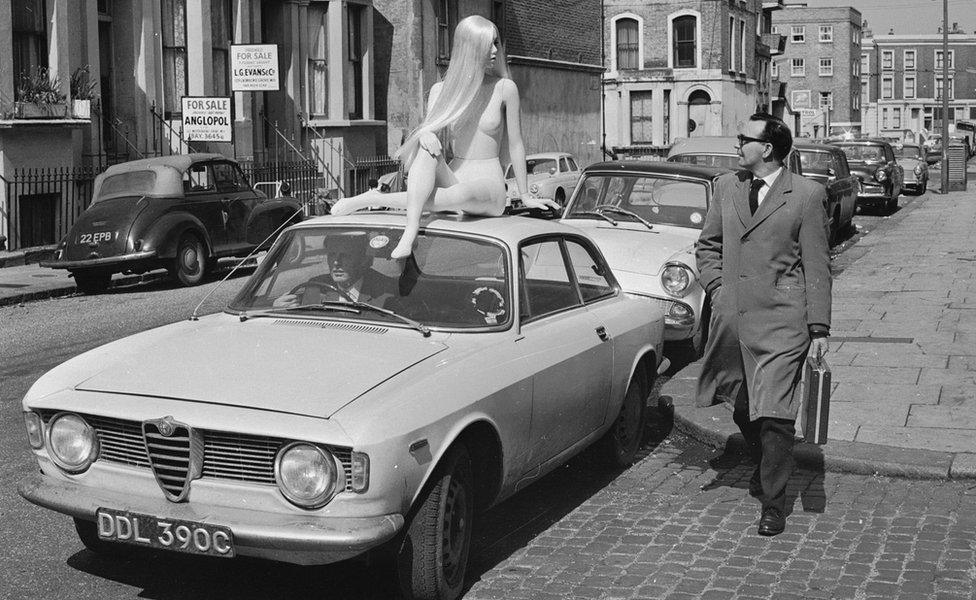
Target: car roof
(657,168)
(180,162)
(709,144)
(509,229)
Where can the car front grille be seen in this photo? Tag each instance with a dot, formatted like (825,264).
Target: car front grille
(226,455)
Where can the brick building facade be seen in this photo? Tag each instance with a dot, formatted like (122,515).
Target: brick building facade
(821,66)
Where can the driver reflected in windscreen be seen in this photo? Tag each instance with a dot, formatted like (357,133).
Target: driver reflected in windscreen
(350,277)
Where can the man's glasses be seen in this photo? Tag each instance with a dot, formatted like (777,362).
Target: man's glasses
(744,139)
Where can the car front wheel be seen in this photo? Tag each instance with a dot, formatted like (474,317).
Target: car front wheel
(433,556)
(92,283)
(623,440)
(190,263)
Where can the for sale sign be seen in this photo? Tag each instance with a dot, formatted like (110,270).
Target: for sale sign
(207,119)
(254,67)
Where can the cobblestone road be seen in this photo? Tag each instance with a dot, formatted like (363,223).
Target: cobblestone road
(680,525)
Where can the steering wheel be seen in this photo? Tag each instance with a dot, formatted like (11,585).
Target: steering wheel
(303,288)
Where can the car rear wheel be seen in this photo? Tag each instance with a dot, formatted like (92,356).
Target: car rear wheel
(433,557)
(92,282)
(623,440)
(88,534)
(190,263)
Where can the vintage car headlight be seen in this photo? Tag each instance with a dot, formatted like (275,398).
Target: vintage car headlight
(918,169)
(880,175)
(306,474)
(35,430)
(72,442)
(676,279)
(534,188)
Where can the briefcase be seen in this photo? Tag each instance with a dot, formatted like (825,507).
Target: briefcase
(815,410)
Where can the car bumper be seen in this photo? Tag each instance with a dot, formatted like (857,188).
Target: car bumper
(120,262)
(303,540)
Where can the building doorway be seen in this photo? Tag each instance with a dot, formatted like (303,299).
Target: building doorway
(699,106)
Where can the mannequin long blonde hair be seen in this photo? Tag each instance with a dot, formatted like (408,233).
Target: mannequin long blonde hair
(473,38)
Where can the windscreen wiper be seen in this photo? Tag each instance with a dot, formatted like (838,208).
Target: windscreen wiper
(593,213)
(339,306)
(624,211)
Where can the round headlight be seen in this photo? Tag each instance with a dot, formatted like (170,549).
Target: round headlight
(676,280)
(534,188)
(880,175)
(72,442)
(306,474)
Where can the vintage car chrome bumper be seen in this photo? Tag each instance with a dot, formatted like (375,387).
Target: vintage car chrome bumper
(304,540)
(99,262)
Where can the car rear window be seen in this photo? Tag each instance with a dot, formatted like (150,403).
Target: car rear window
(133,183)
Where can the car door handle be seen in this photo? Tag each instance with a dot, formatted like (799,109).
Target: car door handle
(601,331)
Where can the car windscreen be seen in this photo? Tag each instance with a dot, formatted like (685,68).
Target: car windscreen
(907,151)
(656,199)
(540,166)
(724,161)
(450,281)
(863,152)
(133,183)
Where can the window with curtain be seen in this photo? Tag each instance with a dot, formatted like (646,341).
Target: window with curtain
(446,21)
(685,41)
(628,44)
(222,36)
(174,55)
(29,36)
(355,48)
(640,117)
(318,66)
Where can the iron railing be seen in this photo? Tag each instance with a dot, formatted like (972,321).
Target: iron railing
(367,170)
(40,205)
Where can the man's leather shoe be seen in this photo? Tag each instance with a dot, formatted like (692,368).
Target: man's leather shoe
(772,522)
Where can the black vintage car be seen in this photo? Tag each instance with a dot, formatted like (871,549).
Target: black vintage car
(828,165)
(179,212)
(873,161)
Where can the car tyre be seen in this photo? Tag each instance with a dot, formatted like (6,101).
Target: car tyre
(622,441)
(190,263)
(88,534)
(433,556)
(92,283)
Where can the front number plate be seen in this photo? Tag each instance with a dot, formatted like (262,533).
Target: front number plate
(169,534)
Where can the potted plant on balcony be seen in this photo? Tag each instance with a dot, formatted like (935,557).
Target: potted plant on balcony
(39,96)
(82,93)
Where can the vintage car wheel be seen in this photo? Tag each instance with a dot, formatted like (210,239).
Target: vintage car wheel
(88,535)
(92,283)
(623,440)
(433,556)
(190,263)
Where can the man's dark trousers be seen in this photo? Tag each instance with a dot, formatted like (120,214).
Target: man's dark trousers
(770,444)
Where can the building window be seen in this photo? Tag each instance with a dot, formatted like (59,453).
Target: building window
(174,56)
(628,44)
(640,117)
(798,34)
(685,32)
(909,60)
(29,21)
(909,86)
(800,99)
(318,64)
(826,33)
(742,46)
(938,59)
(885,119)
(865,62)
(498,16)
(222,36)
(446,20)
(826,67)
(864,90)
(896,118)
(775,70)
(855,35)
(356,48)
(855,101)
(797,67)
(887,60)
(827,100)
(733,54)
(938,88)
(887,87)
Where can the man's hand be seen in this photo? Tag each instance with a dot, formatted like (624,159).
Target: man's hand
(529,201)
(286,301)
(818,347)
(429,142)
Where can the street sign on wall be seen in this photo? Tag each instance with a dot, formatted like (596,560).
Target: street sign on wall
(254,67)
(207,119)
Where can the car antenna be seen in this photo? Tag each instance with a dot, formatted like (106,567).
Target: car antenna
(194,316)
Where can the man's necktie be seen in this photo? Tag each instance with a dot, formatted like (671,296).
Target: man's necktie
(754,194)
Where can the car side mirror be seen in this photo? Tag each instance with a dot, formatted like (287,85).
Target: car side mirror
(285,188)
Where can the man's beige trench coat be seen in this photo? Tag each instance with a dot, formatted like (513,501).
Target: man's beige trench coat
(769,278)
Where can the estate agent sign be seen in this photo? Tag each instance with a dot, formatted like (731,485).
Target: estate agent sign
(207,119)
(254,67)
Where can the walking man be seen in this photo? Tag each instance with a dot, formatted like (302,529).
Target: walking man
(763,259)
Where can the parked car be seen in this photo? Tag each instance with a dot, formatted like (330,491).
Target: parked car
(828,165)
(313,431)
(646,217)
(913,161)
(873,161)
(179,212)
(717,151)
(550,175)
